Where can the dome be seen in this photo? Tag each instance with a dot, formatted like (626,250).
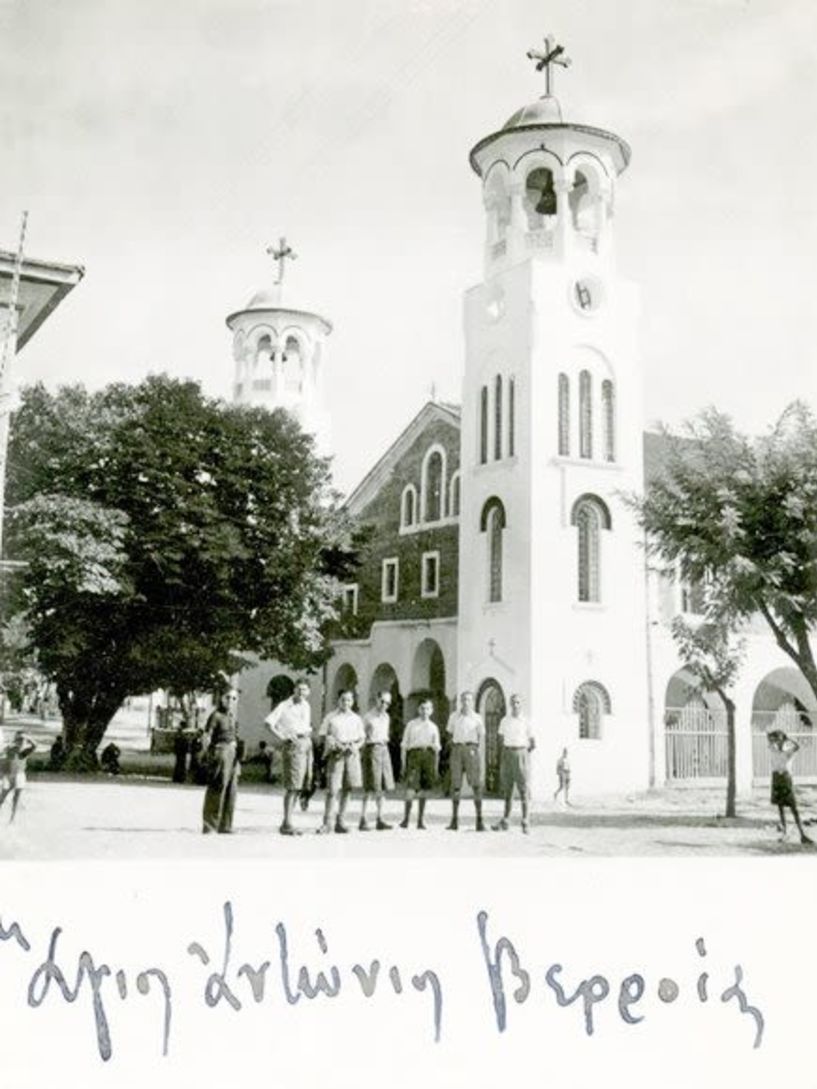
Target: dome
(544,111)
(268,298)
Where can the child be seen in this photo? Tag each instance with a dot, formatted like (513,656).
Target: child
(781,751)
(13,777)
(563,775)
(420,750)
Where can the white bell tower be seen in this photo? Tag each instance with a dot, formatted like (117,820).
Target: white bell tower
(551,598)
(278,355)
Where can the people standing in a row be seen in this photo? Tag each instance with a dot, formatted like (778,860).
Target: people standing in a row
(467,734)
(517,742)
(343,736)
(378,774)
(290,723)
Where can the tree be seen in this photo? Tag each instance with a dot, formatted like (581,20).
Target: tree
(166,535)
(740,515)
(711,655)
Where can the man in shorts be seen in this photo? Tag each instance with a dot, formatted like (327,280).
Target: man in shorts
(13,774)
(563,776)
(781,752)
(343,736)
(290,725)
(378,774)
(467,733)
(517,743)
(420,755)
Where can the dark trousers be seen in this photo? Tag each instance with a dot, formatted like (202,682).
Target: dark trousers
(222,782)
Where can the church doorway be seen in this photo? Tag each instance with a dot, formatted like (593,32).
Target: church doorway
(695,735)
(784,701)
(345,678)
(491,705)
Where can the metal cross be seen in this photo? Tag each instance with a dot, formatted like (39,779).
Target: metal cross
(280,255)
(553,54)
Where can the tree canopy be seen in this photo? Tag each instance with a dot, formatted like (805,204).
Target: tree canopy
(740,516)
(166,534)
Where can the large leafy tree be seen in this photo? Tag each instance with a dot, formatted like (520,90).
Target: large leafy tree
(166,534)
(740,516)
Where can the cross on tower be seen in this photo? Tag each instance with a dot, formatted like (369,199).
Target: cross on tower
(553,54)
(279,255)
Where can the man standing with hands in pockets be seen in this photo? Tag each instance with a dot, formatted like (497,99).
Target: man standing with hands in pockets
(467,745)
(517,743)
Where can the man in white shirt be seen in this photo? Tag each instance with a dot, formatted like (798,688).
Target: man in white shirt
(420,756)
(467,732)
(343,736)
(517,743)
(290,724)
(378,775)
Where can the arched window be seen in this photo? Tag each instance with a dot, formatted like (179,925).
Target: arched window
(590,702)
(540,197)
(511,417)
(293,366)
(498,417)
(454,495)
(590,516)
(585,415)
(433,485)
(483,425)
(492,522)
(609,410)
(408,506)
(564,415)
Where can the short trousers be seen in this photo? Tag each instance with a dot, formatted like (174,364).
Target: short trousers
(297,763)
(378,774)
(782,788)
(421,769)
(343,771)
(465,761)
(514,771)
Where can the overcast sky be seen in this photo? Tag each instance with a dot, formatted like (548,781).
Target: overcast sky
(164,145)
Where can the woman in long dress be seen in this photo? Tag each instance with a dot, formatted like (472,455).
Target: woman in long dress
(221,754)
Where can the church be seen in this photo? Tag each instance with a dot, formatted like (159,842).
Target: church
(502,557)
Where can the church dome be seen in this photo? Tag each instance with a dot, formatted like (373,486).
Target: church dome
(544,111)
(268,298)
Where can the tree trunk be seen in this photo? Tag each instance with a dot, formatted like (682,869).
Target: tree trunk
(85,718)
(731,760)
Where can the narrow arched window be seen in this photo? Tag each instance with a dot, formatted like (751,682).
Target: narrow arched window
(564,415)
(408,514)
(585,415)
(454,496)
(590,516)
(591,702)
(492,522)
(609,409)
(483,425)
(433,485)
(511,417)
(498,417)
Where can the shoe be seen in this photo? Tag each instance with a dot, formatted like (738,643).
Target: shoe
(381,826)
(452,827)
(364,825)
(501,826)
(783,837)
(421,826)
(805,839)
(288,830)
(304,803)
(525,827)
(323,830)
(480,825)
(404,824)
(340,827)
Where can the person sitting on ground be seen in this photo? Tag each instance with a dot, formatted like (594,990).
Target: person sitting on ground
(781,751)
(13,774)
(109,759)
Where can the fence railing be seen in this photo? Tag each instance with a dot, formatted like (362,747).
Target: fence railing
(695,743)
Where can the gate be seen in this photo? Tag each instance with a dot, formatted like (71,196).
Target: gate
(696,742)
(491,705)
(795,724)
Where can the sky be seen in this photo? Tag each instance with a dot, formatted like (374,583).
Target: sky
(164,146)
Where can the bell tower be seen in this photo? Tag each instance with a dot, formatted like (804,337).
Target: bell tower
(278,355)
(551,592)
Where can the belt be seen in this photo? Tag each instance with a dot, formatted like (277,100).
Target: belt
(517,748)
(468,744)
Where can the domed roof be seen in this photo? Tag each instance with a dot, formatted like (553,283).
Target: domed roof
(544,111)
(268,298)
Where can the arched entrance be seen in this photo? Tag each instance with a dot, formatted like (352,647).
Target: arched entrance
(695,731)
(345,677)
(491,705)
(784,701)
(279,688)
(384,679)
(428,682)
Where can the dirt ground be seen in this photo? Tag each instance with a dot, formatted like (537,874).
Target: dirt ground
(133,819)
